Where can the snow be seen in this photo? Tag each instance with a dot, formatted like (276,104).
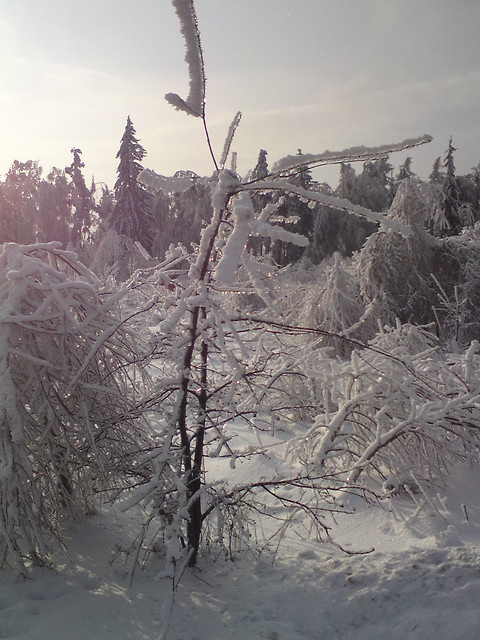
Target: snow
(228,140)
(242,212)
(330,201)
(353,154)
(421,582)
(194,104)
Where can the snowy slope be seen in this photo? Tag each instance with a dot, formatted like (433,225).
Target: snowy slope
(421,582)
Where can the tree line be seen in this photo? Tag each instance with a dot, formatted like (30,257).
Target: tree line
(60,206)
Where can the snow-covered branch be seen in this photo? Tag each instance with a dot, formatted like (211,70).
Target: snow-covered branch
(195,102)
(352,154)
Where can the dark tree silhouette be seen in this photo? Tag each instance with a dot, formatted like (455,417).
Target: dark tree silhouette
(451,193)
(82,201)
(132,213)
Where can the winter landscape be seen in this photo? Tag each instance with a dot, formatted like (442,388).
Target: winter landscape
(240,406)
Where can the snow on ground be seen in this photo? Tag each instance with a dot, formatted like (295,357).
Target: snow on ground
(421,582)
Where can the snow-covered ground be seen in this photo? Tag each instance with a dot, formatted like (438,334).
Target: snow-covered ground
(422,582)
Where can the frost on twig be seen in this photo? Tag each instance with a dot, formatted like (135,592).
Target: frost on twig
(229,138)
(352,154)
(330,201)
(194,105)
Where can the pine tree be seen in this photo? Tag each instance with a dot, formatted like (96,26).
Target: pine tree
(405,171)
(256,244)
(346,183)
(304,178)
(82,201)
(20,202)
(476,184)
(54,208)
(373,185)
(132,214)
(297,217)
(436,177)
(261,168)
(451,193)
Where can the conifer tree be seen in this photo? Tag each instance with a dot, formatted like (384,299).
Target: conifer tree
(436,176)
(256,244)
(19,202)
(405,171)
(261,168)
(476,185)
(451,193)
(373,185)
(132,214)
(346,183)
(297,217)
(82,201)
(54,208)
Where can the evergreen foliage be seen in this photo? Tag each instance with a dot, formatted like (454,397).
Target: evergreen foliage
(451,193)
(436,176)
(261,168)
(132,214)
(54,208)
(20,208)
(405,171)
(82,201)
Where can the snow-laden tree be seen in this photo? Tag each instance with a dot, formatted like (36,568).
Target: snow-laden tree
(19,202)
(69,417)
(399,413)
(456,277)
(334,305)
(373,185)
(82,201)
(346,182)
(218,365)
(405,171)
(394,270)
(436,177)
(261,168)
(54,208)
(132,214)
(451,193)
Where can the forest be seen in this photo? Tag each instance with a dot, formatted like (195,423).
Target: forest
(234,359)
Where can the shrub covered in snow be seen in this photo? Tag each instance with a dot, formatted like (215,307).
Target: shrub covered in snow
(68,411)
(398,408)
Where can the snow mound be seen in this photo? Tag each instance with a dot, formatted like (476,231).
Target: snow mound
(408,588)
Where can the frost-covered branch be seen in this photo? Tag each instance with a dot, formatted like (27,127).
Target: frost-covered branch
(195,102)
(284,186)
(228,140)
(353,154)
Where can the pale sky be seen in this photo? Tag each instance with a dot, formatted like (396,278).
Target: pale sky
(309,74)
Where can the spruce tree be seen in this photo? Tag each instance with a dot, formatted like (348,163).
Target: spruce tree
(451,193)
(436,177)
(297,217)
(132,214)
(346,183)
(54,208)
(82,201)
(256,244)
(405,171)
(261,169)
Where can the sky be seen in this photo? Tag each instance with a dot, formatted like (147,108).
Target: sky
(309,74)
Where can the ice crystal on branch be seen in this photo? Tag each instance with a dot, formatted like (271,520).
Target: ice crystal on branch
(229,138)
(347,155)
(194,105)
